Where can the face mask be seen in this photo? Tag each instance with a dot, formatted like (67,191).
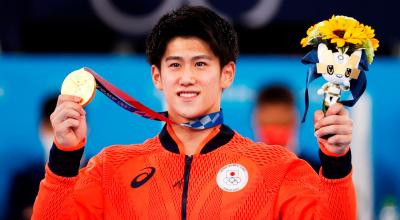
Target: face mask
(276,134)
(46,138)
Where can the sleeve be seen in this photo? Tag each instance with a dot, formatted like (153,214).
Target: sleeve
(305,195)
(65,192)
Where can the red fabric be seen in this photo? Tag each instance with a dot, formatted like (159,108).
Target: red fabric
(276,134)
(280,186)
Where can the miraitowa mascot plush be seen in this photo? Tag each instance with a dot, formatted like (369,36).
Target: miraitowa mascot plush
(343,48)
(337,68)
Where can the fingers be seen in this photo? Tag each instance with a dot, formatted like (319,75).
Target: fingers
(335,115)
(318,115)
(65,112)
(67,108)
(69,123)
(336,109)
(69,105)
(333,130)
(340,140)
(68,98)
(333,120)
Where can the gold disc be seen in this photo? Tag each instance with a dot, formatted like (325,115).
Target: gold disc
(80,83)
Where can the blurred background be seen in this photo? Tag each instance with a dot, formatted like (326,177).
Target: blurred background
(41,41)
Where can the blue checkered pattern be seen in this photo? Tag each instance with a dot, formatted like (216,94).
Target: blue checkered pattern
(205,122)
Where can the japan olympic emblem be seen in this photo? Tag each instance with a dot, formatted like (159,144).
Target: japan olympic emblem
(232,177)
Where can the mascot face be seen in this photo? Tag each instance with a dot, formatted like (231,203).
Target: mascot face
(338,68)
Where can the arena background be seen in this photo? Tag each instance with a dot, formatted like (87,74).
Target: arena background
(42,41)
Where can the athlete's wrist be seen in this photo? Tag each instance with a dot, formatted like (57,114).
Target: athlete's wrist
(334,167)
(77,146)
(328,152)
(65,163)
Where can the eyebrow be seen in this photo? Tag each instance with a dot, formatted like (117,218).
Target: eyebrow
(173,58)
(199,57)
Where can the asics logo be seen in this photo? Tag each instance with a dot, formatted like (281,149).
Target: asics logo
(143,177)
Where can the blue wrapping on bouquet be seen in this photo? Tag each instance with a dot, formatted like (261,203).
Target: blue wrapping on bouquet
(357,86)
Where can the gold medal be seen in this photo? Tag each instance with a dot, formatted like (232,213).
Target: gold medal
(80,83)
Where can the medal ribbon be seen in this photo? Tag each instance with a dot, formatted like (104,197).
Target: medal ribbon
(130,104)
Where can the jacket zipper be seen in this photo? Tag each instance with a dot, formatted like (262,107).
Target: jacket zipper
(188,164)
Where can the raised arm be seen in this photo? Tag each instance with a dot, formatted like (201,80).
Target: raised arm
(66,192)
(303,195)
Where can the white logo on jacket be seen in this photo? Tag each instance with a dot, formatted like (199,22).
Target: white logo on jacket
(232,177)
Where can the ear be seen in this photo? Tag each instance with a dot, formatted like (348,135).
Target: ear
(156,77)
(355,58)
(228,74)
(324,55)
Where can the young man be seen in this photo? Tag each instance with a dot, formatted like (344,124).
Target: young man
(184,173)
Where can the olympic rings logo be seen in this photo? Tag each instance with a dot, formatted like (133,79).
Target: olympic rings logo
(232,180)
(232,177)
(258,15)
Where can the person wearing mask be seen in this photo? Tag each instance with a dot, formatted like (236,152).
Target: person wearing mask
(276,120)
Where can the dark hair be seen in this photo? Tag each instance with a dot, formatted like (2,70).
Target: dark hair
(48,106)
(193,21)
(275,94)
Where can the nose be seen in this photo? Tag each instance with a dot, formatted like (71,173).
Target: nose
(339,75)
(187,78)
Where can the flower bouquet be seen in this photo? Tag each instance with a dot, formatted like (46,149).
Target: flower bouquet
(342,50)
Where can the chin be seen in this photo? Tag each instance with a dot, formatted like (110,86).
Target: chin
(191,114)
(191,110)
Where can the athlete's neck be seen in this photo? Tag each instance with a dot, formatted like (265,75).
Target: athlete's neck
(191,139)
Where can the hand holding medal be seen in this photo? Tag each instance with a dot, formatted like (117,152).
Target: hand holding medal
(69,117)
(77,91)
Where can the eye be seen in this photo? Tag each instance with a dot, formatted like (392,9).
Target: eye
(174,65)
(330,69)
(200,64)
(348,72)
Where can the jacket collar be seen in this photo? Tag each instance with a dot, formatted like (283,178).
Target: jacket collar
(223,135)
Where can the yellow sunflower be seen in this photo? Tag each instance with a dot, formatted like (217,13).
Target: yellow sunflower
(370,34)
(375,43)
(304,42)
(341,30)
(312,33)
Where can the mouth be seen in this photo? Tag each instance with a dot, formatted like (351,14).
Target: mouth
(188,94)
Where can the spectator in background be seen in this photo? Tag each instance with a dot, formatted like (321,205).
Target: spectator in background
(25,184)
(275,120)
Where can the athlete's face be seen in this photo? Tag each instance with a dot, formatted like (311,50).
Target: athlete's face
(191,78)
